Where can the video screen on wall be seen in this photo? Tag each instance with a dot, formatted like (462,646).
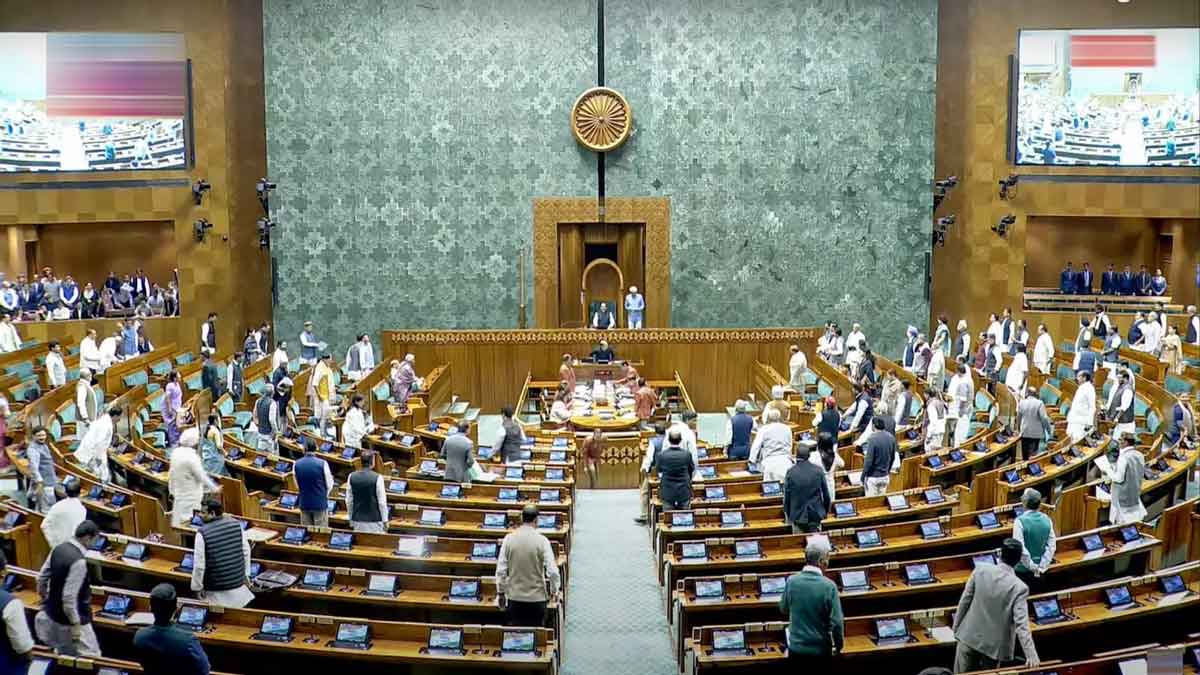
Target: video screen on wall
(92,101)
(1108,97)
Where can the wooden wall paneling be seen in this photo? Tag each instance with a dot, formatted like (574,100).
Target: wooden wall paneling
(89,251)
(1051,241)
(570,274)
(977,272)
(488,368)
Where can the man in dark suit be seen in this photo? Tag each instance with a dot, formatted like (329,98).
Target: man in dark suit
(1066,280)
(675,469)
(1108,281)
(831,419)
(1127,283)
(210,377)
(1083,280)
(1142,286)
(806,498)
(163,649)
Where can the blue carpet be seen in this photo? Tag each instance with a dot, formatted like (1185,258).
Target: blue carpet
(616,623)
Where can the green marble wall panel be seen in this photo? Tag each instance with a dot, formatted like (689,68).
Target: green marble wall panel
(408,139)
(795,140)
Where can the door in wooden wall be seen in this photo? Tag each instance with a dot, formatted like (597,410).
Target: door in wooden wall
(580,245)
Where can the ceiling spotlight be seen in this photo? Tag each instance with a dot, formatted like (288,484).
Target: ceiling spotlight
(1001,228)
(200,228)
(198,189)
(1008,186)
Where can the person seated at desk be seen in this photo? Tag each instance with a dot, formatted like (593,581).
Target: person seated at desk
(1158,283)
(164,649)
(1067,281)
(604,319)
(603,353)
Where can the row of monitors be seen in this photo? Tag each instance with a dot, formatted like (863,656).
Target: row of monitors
(429,467)
(751,549)
(717,493)
(276,628)
(896,630)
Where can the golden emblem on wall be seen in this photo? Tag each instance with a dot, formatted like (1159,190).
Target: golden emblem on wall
(601,119)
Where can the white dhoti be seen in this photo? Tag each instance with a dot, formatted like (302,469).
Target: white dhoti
(181,513)
(1077,431)
(873,487)
(379,527)
(1123,515)
(775,467)
(1122,430)
(962,431)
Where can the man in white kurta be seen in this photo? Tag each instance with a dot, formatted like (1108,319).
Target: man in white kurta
(1018,372)
(10,341)
(85,403)
(1043,350)
(56,368)
(1126,477)
(187,481)
(962,402)
(1081,416)
(797,367)
(89,352)
(108,350)
(92,452)
(1152,335)
(356,425)
(771,450)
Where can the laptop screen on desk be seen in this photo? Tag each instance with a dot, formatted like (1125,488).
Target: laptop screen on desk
(1046,608)
(316,578)
(398,486)
(381,583)
(714,588)
(1173,584)
(897,502)
(517,641)
(464,588)
(744,549)
(683,519)
(917,573)
(445,638)
(117,605)
(931,529)
(431,517)
(867,537)
(1092,542)
(1118,596)
(341,540)
(854,579)
(276,625)
(484,550)
(732,518)
(495,520)
(693,550)
(507,495)
(549,496)
(771,585)
(772,489)
(843,509)
(289,500)
(547,521)
(729,640)
(714,493)
(353,632)
(934,496)
(190,615)
(891,628)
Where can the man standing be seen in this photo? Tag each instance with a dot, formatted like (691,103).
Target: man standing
(85,402)
(814,610)
(878,454)
(42,476)
(323,390)
(654,448)
(64,622)
(210,377)
(10,341)
(1181,423)
(221,558)
(806,498)
(16,644)
(778,404)
(457,450)
(1108,281)
(962,343)
(566,373)
(510,438)
(797,368)
(675,469)
(1120,409)
(1036,534)
(89,352)
(604,319)
(859,413)
(1127,283)
(902,415)
(1043,350)
(527,575)
(269,418)
(935,420)
(356,426)
(1126,478)
(1192,336)
(164,649)
(1158,283)
(1033,423)
(366,499)
(1142,282)
(61,520)
(1067,280)
(1018,371)
(1081,416)
(309,345)
(1084,280)
(92,452)
(993,614)
(56,369)
(644,400)
(315,482)
(234,383)
(741,425)
(208,335)
(771,451)
(635,308)
(279,358)
(187,482)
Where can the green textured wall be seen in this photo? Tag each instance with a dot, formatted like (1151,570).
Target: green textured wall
(795,140)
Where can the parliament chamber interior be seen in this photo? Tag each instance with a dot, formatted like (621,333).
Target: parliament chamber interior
(594,337)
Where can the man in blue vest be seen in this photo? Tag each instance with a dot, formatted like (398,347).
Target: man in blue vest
(309,345)
(16,643)
(1036,534)
(220,558)
(741,425)
(164,649)
(64,622)
(315,481)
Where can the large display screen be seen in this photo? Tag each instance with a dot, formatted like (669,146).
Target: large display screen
(92,101)
(1128,97)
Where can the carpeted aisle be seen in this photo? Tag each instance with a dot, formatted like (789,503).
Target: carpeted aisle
(616,623)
